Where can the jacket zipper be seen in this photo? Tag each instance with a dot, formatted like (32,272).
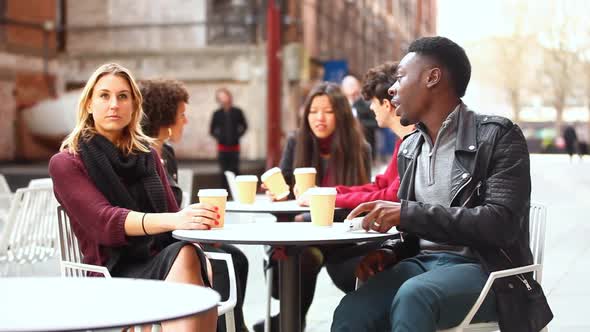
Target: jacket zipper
(471,195)
(461,188)
(519,276)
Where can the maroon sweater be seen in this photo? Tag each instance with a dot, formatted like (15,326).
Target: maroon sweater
(385,187)
(96,223)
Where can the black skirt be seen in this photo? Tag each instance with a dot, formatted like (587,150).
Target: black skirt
(158,266)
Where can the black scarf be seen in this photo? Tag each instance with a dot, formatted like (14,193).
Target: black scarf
(131,182)
(128,181)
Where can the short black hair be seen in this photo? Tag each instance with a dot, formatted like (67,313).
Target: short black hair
(378,80)
(449,55)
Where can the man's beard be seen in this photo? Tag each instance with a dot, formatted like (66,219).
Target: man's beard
(404,121)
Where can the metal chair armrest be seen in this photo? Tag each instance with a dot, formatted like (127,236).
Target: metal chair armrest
(488,285)
(84,267)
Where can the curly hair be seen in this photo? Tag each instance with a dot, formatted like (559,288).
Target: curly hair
(160,103)
(449,55)
(378,80)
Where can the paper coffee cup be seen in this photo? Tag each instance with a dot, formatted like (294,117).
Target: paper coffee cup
(275,182)
(304,179)
(246,185)
(215,197)
(322,204)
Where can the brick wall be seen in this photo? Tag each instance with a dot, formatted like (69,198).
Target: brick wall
(33,11)
(7,114)
(96,14)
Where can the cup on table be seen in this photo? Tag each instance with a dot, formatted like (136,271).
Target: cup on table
(275,183)
(246,185)
(215,197)
(322,202)
(304,179)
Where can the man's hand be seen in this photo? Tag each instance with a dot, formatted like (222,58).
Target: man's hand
(381,216)
(375,262)
(303,199)
(270,195)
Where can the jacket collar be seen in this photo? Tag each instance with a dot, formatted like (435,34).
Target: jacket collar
(466,130)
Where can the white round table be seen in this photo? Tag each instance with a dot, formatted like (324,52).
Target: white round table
(289,234)
(73,304)
(265,205)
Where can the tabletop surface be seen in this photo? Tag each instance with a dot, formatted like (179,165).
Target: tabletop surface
(281,233)
(67,304)
(265,205)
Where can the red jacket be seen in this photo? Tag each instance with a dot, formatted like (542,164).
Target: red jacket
(384,188)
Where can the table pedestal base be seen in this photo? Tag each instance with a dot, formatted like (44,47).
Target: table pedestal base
(290,292)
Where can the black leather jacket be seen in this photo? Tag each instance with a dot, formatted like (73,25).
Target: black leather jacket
(489,212)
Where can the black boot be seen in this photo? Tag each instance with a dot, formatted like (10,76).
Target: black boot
(274,324)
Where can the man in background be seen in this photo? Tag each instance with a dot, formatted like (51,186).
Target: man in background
(228,125)
(360,109)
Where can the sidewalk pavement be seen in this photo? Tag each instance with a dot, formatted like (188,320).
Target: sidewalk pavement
(562,186)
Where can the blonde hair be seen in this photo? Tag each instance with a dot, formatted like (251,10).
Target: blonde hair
(133,138)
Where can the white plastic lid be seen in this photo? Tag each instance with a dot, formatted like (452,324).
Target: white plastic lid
(212,192)
(269,173)
(321,191)
(305,170)
(246,178)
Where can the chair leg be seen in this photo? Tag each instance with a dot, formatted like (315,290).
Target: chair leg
(269,277)
(230,322)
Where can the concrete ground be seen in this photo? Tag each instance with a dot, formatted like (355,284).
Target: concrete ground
(563,186)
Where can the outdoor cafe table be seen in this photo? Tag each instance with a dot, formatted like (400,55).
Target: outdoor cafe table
(73,304)
(291,235)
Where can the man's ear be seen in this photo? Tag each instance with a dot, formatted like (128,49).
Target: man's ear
(434,77)
(387,103)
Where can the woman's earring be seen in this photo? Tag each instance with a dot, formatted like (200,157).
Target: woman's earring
(169,132)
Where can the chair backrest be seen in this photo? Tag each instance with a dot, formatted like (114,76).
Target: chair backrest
(537,223)
(29,234)
(231,182)
(5,198)
(4,187)
(185,182)
(69,249)
(40,183)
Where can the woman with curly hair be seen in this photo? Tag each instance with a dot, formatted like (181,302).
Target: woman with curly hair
(165,105)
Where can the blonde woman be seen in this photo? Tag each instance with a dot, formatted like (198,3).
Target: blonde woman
(118,198)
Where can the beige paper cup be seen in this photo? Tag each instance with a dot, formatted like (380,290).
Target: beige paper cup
(215,197)
(322,204)
(246,185)
(304,179)
(275,182)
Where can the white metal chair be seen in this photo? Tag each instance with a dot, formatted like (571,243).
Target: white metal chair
(41,182)
(185,182)
(30,234)
(537,221)
(71,266)
(5,197)
(231,182)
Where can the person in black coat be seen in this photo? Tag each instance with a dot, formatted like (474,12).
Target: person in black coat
(228,125)
(571,140)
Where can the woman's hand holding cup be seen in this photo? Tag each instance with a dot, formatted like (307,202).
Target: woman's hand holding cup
(197,216)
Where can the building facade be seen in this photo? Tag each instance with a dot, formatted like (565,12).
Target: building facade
(206,44)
